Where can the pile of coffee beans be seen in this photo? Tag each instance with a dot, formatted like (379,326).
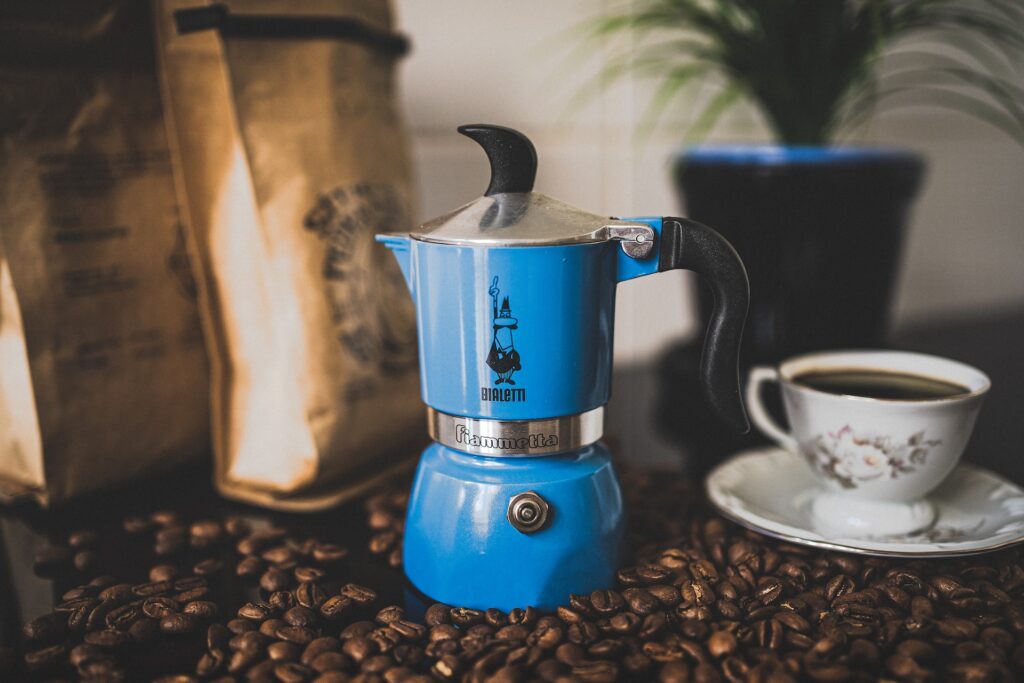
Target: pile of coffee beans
(702,600)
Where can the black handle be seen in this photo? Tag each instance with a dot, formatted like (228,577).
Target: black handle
(692,246)
(512,156)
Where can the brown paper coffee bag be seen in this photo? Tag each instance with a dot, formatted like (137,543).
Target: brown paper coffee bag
(103,376)
(291,155)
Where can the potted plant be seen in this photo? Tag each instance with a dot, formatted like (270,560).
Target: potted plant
(818,224)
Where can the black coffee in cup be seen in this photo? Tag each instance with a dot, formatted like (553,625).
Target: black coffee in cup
(880,384)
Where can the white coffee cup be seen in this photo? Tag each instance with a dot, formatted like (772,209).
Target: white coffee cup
(877,458)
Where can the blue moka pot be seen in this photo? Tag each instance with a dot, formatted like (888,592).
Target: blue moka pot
(517,502)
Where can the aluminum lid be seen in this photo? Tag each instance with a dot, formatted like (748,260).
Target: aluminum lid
(511,214)
(517,219)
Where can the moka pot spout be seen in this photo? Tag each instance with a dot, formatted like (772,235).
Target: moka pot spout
(399,246)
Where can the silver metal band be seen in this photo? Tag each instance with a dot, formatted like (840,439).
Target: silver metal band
(515,438)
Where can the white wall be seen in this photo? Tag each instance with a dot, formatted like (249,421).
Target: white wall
(495,61)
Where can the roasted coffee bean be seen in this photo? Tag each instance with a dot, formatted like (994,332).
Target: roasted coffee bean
(335,607)
(640,601)
(169,540)
(275,579)
(241,660)
(179,623)
(123,617)
(609,602)
(328,553)
(390,614)
(359,594)
(46,629)
(202,609)
(318,647)
(769,590)
(209,567)
(309,594)
(283,651)
(270,626)
(217,636)
(300,616)
(281,601)
(299,635)
(249,567)
(303,574)
(465,617)
(330,661)
(410,630)
(438,613)
(358,648)
(152,589)
(158,608)
(252,641)
(108,639)
(213,662)
(256,611)
(45,659)
(281,556)
(118,592)
(190,595)
(206,533)
(722,644)
(240,626)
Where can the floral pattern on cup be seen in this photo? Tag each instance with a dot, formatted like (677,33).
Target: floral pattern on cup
(851,459)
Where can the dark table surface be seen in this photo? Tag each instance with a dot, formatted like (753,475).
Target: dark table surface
(992,343)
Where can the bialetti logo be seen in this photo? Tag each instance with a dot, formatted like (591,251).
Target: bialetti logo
(503,358)
(492,394)
(504,443)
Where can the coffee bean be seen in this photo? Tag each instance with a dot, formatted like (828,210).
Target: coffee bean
(250,567)
(309,594)
(270,626)
(299,635)
(300,616)
(255,610)
(250,641)
(335,607)
(123,617)
(179,623)
(722,644)
(208,567)
(108,639)
(84,561)
(330,661)
(281,601)
(358,648)
(303,574)
(292,672)
(464,617)
(275,579)
(359,594)
(211,663)
(46,629)
(203,609)
(328,553)
(158,608)
(240,626)
(640,601)
(390,614)
(769,590)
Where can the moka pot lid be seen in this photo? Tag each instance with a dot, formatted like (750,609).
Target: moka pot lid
(510,214)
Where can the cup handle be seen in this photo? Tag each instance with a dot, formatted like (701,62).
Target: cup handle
(758,376)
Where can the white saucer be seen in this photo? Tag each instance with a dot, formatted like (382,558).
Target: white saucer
(770,490)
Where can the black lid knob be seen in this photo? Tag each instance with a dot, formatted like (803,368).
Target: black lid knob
(511,154)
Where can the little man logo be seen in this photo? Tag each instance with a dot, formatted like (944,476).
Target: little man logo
(503,358)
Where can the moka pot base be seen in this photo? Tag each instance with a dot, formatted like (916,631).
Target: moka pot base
(467,543)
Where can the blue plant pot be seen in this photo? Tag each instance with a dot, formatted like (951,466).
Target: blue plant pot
(820,230)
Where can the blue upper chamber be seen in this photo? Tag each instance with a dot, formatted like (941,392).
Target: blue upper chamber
(515,295)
